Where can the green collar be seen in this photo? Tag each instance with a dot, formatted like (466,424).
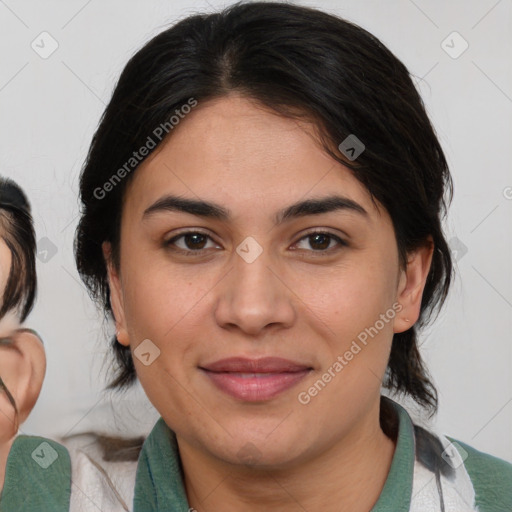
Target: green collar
(37,476)
(396,493)
(159,481)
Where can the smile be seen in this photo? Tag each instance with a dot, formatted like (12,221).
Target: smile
(255,380)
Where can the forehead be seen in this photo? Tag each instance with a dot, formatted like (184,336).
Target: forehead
(237,151)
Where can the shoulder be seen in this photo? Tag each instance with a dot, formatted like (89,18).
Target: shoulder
(104,470)
(37,475)
(465,478)
(491,477)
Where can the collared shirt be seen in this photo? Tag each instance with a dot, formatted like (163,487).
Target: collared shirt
(429,472)
(37,476)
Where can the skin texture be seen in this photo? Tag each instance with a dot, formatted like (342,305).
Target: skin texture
(22,368)
(5,264)
(291,302)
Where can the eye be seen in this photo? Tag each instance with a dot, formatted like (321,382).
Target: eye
(195,242)
(190,242)
(321,241)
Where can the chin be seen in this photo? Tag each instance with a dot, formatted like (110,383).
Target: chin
(257,451)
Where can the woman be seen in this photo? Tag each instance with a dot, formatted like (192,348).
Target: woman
(262,207)
(34,472)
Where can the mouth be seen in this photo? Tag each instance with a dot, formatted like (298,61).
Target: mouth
(255,380)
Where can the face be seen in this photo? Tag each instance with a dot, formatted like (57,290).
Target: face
(256,312)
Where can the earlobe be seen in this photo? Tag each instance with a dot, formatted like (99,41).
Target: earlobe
(411,285)
(116,297)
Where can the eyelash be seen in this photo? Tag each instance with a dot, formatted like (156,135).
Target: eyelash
(168,244)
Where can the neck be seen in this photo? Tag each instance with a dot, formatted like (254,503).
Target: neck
(348,476)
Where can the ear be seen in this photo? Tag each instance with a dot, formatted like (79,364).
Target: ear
(22,369)
(116,296)
(411,285)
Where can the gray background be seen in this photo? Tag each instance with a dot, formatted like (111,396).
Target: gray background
(49,108)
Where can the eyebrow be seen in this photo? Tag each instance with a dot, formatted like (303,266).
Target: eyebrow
(313,206)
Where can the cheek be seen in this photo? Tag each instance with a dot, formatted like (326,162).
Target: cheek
(155,297)
(347,307)
(169,307)
(352,296)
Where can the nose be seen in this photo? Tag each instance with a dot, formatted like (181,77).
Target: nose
(254,297)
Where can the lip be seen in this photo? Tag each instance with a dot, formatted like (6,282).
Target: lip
(255,380)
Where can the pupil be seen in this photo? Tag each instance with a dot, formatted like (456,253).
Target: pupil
(317,241)
(196,241)
(320,236)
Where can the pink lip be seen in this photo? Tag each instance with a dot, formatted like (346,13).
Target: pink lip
(255,380)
